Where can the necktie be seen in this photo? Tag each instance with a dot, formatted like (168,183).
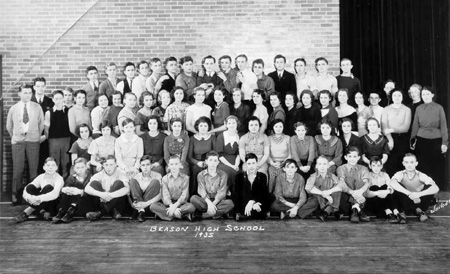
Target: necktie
(279,76)
(26,118)
(95,87)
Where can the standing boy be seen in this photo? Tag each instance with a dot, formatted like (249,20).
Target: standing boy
(356,178)
(139,82)
(175,192)
(109,86)
(227,74)
(25,123)
(284,80)
(91,87)
(58,133)
(414,190)
(348,81)
(212,189)
(155,67)
(125,86)
(374,100)
(107,191)
(246,79)
(167,82)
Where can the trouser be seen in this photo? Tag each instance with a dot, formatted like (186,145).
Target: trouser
(193,183)
(161,210)
(323,203)
(43,154)
(223,207)
(58,149)
(67,201)
(347,202)
(395,159)
(96,205)
(377,205)
(139,195)
(20,151)
(304,211)
(273,174)
(405,204)
(431,160)
(49,206)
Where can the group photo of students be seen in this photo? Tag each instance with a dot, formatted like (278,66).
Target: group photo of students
(227,141)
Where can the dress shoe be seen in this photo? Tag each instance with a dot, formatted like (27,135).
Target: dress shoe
(354,218)
(141,216)
(57,218)
(93,216)
(363,217)
(21,217)
(401,218)
(116,214)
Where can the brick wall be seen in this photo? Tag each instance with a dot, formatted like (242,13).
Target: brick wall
(58,39)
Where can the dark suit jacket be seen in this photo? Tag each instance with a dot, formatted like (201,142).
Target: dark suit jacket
(91,95)
(285,84)
(244,192)
(46,104)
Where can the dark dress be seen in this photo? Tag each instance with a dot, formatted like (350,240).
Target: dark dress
(230,153)
(244,191)
(354,142)
(292,117)
(154,147)
(243,113)
(311,118)
(376,147)
(197,152)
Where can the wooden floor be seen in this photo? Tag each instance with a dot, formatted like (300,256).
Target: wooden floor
(272,246)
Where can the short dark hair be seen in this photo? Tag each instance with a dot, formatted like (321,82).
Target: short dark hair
(110,64)
(276,121)
(203,119)
(128,64)
(50,159)
(258,61)
(249,156)
(155,60)
(300,124)
(145,158)
(327,92)
(290,161)
(260,92)
(77,129)
(127,121)
(170,59)
(39,79)
(346,119)
(26,86)
(212,153)
(109,157)
(225,57)
(91,68)
(326,121)
(254,118)
(297,60)
(174,120)
(186,59)
(117,93)
(375,159)
(172,93)
(158,121)
(141,63)
(279,56)
(294,96)
(351,149)
(106,123)
(306,91)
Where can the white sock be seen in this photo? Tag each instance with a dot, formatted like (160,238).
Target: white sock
(357,207)
(388,211)
(395,212)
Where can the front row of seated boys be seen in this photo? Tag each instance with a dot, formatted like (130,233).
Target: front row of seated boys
(353,191)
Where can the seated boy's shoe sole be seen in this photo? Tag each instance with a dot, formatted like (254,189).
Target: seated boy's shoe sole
(141,217)
(423,217)
(401,218)
(393,219)
(363,217)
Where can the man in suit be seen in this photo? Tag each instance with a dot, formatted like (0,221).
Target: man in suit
(284,80)
(25,123)
(46,103)
(91,87)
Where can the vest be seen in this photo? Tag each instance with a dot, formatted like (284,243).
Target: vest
(59,124)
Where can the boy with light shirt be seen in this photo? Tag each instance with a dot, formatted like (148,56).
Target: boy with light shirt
(57,130)
(379,195)
(139,82)
(212,190)
(175,192)
(155,68)
(414,190)
(145,188)
(227,74)
(25,123)
(348,80)
(107,191)
(356,178)
(325,189)
(129,71)
(284,80)
(42,194)
(246,79)
(92,86)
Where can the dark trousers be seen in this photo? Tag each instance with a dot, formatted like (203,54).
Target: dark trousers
(405,204)
(43,154)
(223,207)
(305,210)
(58,149)
(347,201)
(395,159)
(431,160)
(193,184)
(96,205)
(377,205)
(49,206)
(66,201)
(20,152)
(322,203)
(139,195)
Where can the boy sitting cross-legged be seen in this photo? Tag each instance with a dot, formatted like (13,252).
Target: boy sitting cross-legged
(379,195)
(356,178)
(414,190)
